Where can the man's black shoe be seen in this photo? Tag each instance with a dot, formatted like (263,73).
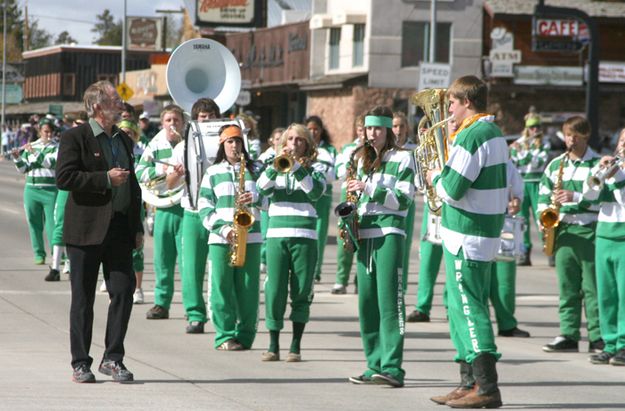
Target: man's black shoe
(562,344)
(117,370)
(619,358)
(596,346)
(417,317)
(82,374)
(53,275)
(601,358)
(525,260)
(514,332)
(195,327)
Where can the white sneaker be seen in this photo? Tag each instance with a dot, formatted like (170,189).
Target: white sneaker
(263,268)
(137,297)
(103,287)
(66,267)
(338,289)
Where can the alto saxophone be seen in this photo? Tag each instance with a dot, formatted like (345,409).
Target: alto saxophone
(241,222)
(347,211)
(550,217)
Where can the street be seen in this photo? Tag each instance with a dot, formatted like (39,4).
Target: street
(177,371)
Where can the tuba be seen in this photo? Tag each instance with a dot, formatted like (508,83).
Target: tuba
(156,192)
(550,217)
(241,222)
(431,151)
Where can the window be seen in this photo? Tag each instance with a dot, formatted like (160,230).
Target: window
(69,84)
(335,41)
(358,48)
(415,45)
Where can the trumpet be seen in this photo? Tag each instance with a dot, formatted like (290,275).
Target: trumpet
(597,180)
(284,162)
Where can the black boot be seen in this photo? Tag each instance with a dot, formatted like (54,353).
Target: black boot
(525,260)
(467,384)
(487,394)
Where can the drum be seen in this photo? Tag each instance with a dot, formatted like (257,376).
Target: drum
(201,146)
(433,233)
(511,245)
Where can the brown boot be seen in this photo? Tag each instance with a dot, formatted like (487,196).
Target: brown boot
(456,394)
(476,400)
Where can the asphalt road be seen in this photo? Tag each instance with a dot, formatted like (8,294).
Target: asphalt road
(175,371)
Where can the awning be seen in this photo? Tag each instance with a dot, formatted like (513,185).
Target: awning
(44,107)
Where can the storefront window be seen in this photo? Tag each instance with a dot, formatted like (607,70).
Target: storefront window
(415,42)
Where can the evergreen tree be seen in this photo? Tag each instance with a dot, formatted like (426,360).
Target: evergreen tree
(108,31)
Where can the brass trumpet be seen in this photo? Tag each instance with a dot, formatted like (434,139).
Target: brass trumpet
(283,163)
(596,180)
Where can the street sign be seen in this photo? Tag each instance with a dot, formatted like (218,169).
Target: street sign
(245,98)
(56,110)
(558,35)
(124,91)
(560,45)
(434,75)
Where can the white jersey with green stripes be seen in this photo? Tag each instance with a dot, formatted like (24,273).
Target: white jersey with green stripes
(473,187)
(574,175)
(292,197)
(39,166)
(389,192)
(531,161)
(612,205)
(216,203)
(158,149)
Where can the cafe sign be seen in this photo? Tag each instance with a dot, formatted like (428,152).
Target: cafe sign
(144,33)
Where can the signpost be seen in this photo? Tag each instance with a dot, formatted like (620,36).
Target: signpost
(124,91)
(434,75)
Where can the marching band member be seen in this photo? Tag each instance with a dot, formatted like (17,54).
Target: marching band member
(386,183)
(561,184)
(473,188)
(291,236)
(38,161)
(167,221)
(530,154)
(400,129)
(131,129)
(610,255)
(265,159)
(326,156)
(253,139)
(503,273)
(345,257)
(194,236)
(235,291)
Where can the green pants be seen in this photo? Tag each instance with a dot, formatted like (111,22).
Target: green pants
(323,220)
(59,217)
(264,224)
(468,286)
(193,269)
(528,208)
(610,258)
(235,294)
(344,258)
(381,304)
(290,269)
(430,257)
(408,245)
(167,250)
(39,206)
(503,293)
(575,267)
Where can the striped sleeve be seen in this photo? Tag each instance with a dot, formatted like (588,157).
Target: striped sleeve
(313,183)
(400,195)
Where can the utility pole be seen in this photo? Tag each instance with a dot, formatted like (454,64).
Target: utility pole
(4,69)
(432,58)
(124,28)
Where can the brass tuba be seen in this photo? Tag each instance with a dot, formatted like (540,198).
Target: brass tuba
(431,151)
(241,222)
(550,217)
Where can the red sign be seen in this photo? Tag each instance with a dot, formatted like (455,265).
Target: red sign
(561,28)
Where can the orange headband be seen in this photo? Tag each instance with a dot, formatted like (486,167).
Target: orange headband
(230,132)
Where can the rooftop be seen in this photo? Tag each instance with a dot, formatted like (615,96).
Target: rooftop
(526,7)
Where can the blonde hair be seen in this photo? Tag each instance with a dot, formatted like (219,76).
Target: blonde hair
(303,132)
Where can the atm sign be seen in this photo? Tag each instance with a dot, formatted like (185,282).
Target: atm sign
(560,28)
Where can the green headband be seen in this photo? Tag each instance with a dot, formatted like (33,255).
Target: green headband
(378,121)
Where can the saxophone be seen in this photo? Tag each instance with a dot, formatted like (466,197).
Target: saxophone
(347,211)
(550,217)
(241,222)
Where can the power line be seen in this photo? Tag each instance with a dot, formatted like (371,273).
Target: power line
(63,19)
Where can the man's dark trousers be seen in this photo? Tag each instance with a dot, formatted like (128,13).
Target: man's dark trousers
(115,254)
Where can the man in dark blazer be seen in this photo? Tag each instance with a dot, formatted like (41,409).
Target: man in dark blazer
(102,226)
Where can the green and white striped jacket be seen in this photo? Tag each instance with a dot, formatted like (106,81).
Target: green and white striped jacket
(216,204)
(326,157)
(388,194)
(473,187)
(39,166)
(159,148)
(531,163)
(612,199)
(575,174)
(292,197)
